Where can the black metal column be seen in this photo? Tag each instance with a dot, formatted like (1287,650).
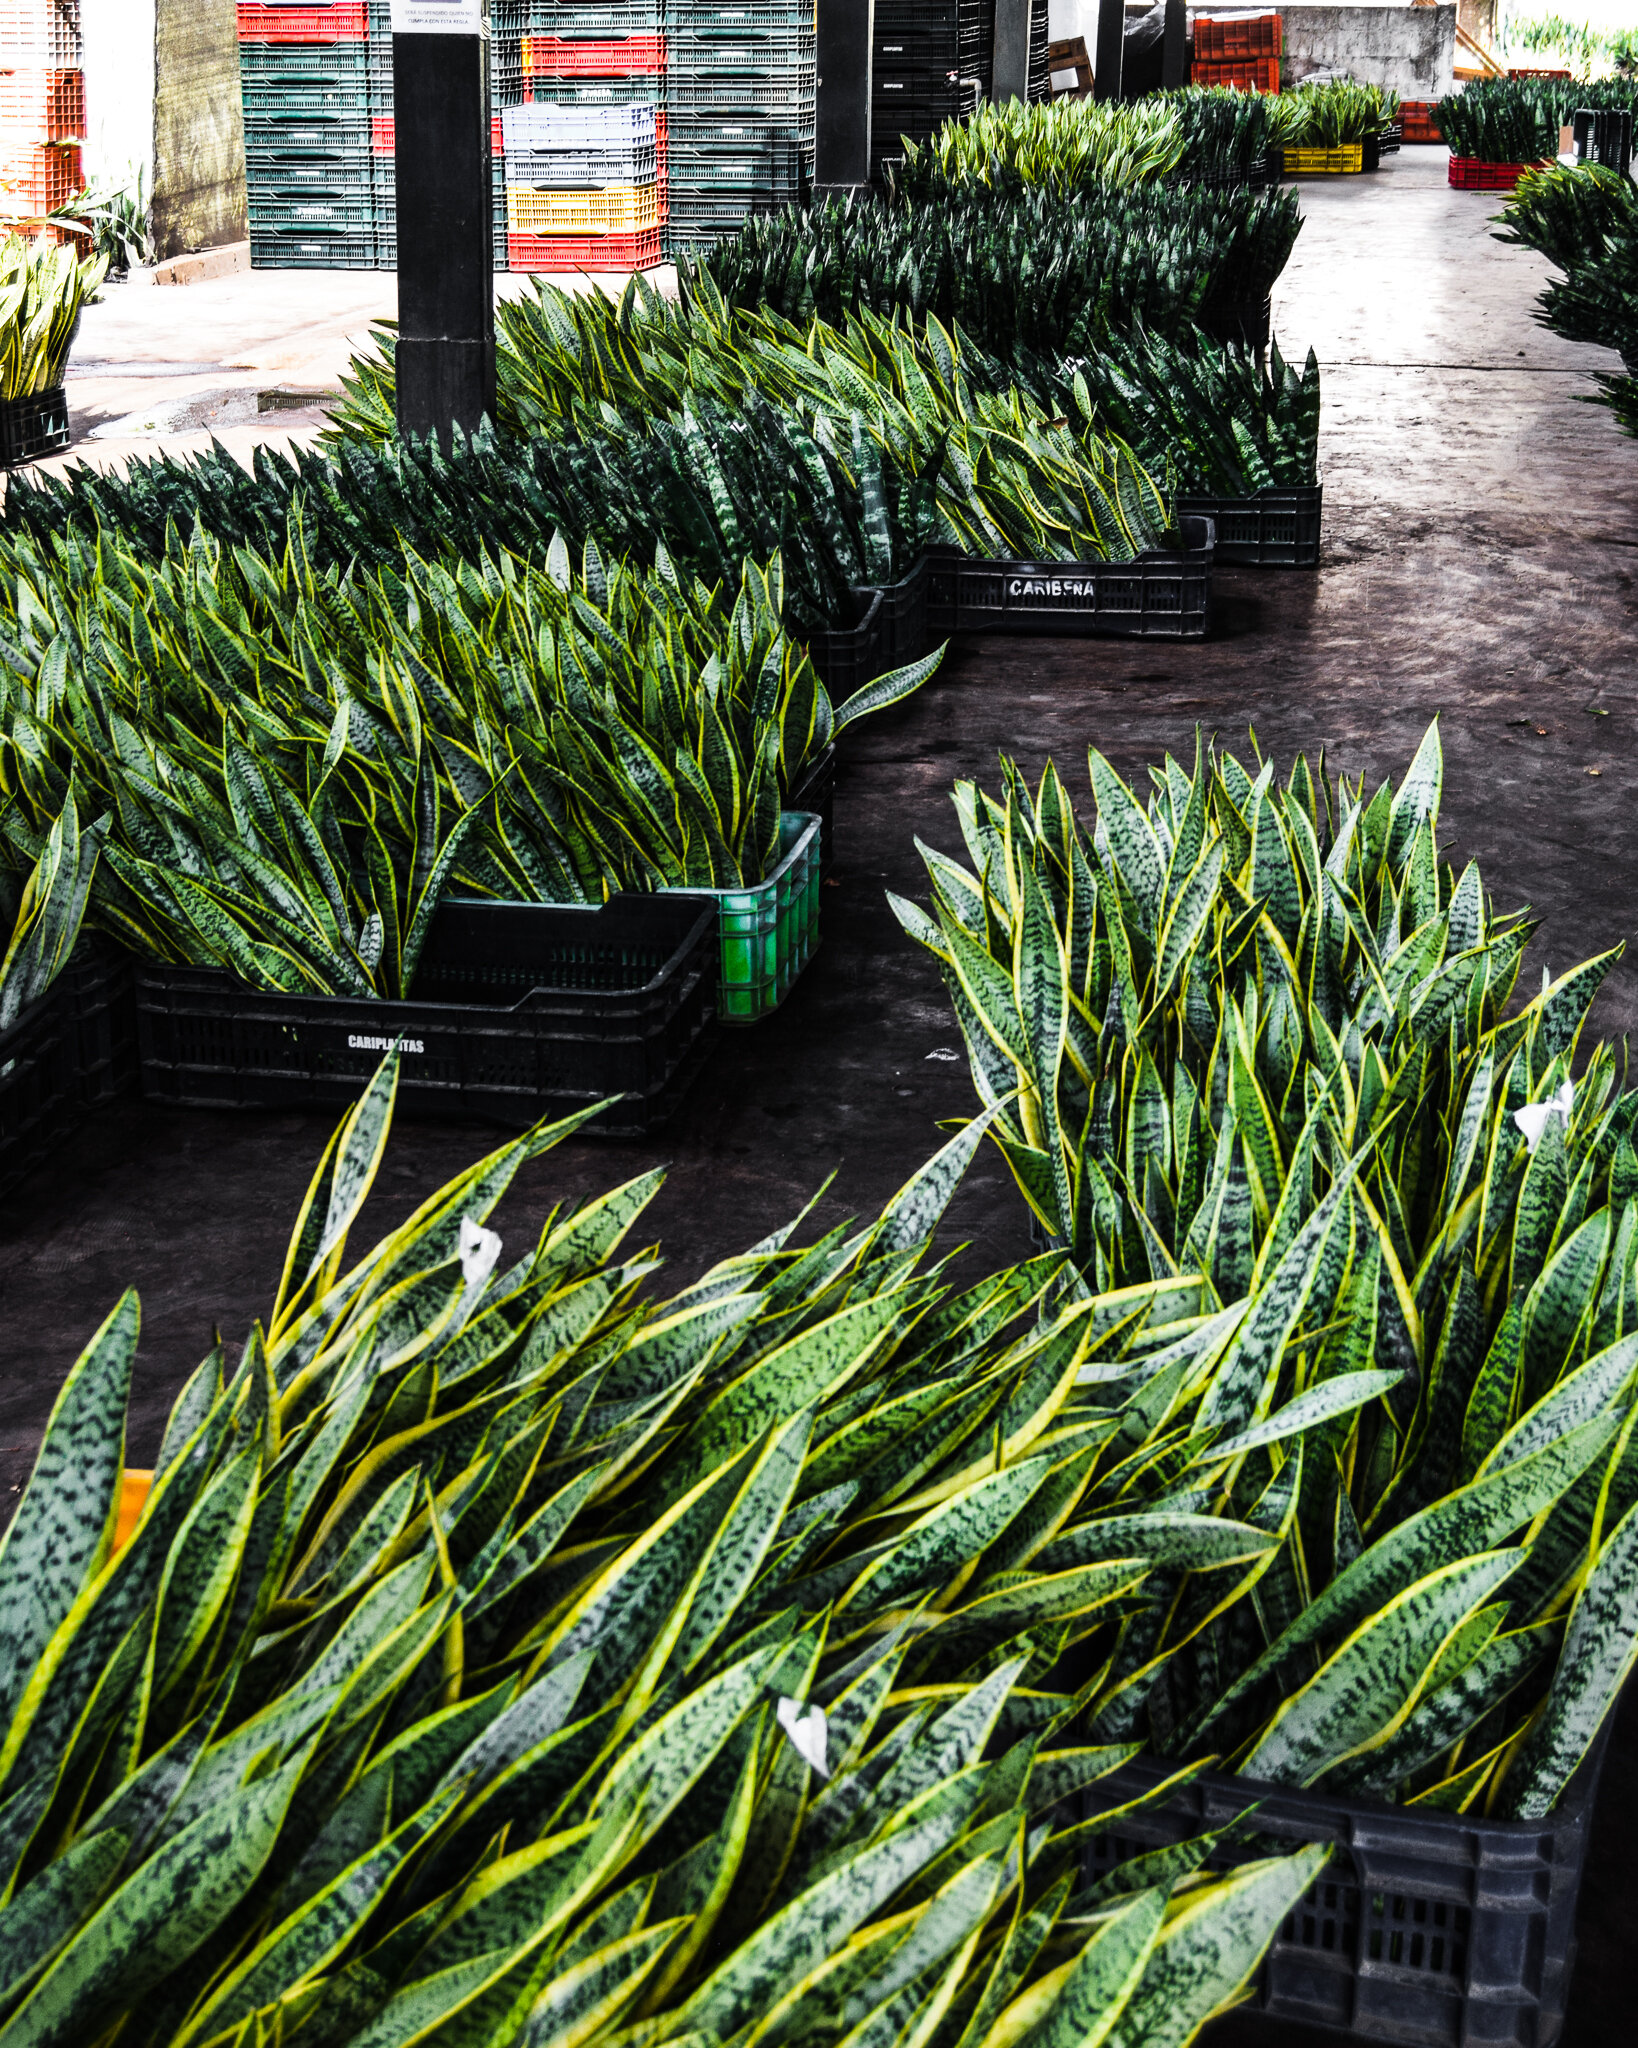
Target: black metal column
(446,234)
(1174,55)
(845,36)
(1106,65)
(1009,76)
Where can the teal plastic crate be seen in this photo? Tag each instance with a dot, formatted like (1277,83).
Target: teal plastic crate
(768,932)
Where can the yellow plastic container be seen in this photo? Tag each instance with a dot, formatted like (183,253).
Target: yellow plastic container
(607,210)
(1319,163)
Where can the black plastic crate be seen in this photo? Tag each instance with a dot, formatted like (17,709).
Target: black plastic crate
(33,426)
(815,794)
(890,628)
(72,1049)
(519,1011)
(916,52)
(1603,135)
(1427,1929)
(928,18)
(845,656)
(1156,596)
(902,620)
(941,94)
(1273,529)
(1254,176)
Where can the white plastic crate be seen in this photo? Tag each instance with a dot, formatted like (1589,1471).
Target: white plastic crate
(40,34)
(543,125)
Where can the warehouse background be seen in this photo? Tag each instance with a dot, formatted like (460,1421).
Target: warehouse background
(163,101)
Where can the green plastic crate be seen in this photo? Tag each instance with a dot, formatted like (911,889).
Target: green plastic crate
(769,932)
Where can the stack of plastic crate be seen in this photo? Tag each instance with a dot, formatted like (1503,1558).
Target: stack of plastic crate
(1244,53)
(585,152)
(508,20)
(42,104)
(583,187)
(740,110)
(305,74)
(975,43)
(1040,76)
(933,63)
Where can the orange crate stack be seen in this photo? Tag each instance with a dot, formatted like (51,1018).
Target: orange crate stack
(42,109)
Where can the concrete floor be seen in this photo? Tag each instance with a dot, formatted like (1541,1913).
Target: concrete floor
(1480,559)
(167,370)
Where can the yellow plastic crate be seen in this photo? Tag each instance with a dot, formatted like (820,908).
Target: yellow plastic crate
(1315,163)
(610,210)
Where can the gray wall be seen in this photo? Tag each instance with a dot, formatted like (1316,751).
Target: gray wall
(199,131)
(1410,49)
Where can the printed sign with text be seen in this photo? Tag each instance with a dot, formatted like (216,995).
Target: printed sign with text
(440,18)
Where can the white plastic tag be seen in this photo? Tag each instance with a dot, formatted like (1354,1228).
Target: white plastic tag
(807,1732)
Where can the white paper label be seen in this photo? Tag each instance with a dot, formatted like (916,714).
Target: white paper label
(440,18)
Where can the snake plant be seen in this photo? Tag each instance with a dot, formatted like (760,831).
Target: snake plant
(907,399)
(1505,120)
(46,912)
(42,289)
(1226,133)
(298,766)
(1258,1039)
(504,1655)
(1056,146)
(1024,271)
(1332,114)
(1585,221)
(1205,416)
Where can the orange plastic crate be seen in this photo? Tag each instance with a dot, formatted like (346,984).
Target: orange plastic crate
(37,181)
(630,57)
(348,21)
(1258,37)
(584,252)
(42,106)
(1419,121)
(1245,74)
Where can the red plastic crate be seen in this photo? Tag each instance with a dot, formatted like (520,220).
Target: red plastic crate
(42,106)
(384,135)
(37,181)
(348,21)
(630,57)
(1473,174)
(1419,121)
(1245,74)
(584,252)
(1260,36)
